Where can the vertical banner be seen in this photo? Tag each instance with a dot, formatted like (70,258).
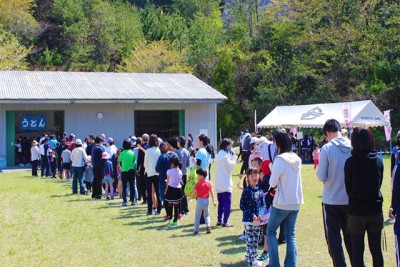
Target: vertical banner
(255,121)
(346,110)
(294,131)
(388,128)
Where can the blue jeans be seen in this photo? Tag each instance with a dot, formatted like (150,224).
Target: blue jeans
(77,176)
(201,207)
(288,217)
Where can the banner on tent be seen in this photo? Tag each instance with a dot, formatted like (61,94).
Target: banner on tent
(388,128)
(346,110)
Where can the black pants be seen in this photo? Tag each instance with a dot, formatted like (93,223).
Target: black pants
(88,186)
(34,167)
(152,180)
(245,165)
(115,179)
(184,208)
(373,225)
(97,181)
(53,168)
(141,185)
(335,221)
(128,177)
(45,166)
(169,207)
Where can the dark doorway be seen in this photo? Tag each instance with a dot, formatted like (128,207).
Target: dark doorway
(165,124)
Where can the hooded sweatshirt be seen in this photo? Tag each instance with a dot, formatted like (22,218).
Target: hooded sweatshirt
(363,178)
(225,162)
(331,171)
(286,176)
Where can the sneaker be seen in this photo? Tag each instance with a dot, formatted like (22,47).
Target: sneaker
(263,257)
(227,225)
(133,203)
(195,232)
(123,204)
(180,216)
(173,224)
(107,198)
(156,213)
(242,237)
(166,218)
(112,197)
(149,214)
(208,231)
(219,224)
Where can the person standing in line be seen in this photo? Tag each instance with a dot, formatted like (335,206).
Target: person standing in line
(150,162)
(90,143)
(225,163)
(140,170)
(45,161)
(108,175)
(202,156)
(183,155)
(78,161)
(97,164)
(334,197)
(245,153)
(286,181)
(363,178)
(189,144)
(35,154)
(127,161)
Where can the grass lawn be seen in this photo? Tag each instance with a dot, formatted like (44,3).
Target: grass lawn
(42,224)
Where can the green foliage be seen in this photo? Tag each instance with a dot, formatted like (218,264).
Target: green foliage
(156,57)
(12,53)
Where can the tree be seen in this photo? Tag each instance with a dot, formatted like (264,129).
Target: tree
(12,53)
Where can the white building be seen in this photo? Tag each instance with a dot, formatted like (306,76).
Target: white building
(116,104)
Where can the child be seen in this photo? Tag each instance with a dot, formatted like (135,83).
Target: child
(315,155)
(265,172)
(202,191)
(173,192)
(252,203)
(66,163)
(89,176)
(108,175)
(53,162)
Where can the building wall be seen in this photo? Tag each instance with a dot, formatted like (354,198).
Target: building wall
(117,121)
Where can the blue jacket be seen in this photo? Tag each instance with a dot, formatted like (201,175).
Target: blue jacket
(162,165)
(96,156)
(252,203)
(108,168)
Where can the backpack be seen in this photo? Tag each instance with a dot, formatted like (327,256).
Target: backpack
(190,181)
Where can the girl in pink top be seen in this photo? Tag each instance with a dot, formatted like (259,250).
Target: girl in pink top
(315,155)
(173,192)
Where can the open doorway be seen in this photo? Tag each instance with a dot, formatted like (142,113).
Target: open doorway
(165,124)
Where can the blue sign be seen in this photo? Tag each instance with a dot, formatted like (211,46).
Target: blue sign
(33,122)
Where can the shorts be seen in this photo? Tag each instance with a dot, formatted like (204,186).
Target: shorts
(108,180)
(66,165)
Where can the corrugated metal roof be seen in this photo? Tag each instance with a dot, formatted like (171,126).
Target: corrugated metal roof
(26,86)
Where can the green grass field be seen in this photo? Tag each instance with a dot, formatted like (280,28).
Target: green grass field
(42,224)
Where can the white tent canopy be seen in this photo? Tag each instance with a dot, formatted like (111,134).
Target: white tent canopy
(362,114)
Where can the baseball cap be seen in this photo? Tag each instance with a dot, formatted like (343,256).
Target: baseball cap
(78,142)
(110,140)
(253,140)
(344,131)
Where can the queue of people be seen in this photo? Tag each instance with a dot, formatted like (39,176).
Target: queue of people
(158,172)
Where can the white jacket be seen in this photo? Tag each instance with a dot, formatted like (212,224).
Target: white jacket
(78,157)
(224,166)
(286,176)
(150,160)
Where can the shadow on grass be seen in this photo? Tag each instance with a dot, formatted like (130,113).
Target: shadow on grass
(236,264)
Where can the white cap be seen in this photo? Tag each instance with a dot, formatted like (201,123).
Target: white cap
(78,142)
(253,140)
(344,131)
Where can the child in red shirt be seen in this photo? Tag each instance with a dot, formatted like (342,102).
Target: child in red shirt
(202,190)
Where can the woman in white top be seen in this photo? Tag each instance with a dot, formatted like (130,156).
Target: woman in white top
(286,180)
(35,155)
(150,162)
(78,161)
(225,162)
